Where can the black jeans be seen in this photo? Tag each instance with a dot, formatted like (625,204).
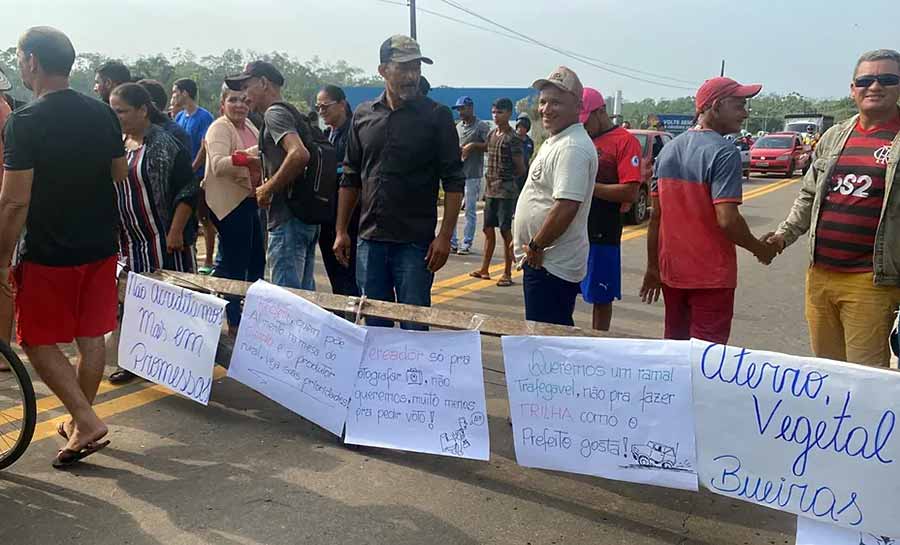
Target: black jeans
(342,279)
(241,246)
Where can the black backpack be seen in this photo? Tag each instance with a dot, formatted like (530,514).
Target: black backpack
(311,197)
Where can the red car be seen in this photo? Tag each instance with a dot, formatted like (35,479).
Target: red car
(781,153)
(652,143)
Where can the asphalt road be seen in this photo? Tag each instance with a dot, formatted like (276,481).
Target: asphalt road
(246,471)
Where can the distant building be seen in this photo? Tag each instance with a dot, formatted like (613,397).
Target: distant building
(482,96)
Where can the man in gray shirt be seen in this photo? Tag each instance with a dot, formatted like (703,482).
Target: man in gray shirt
(292,243)
(473,138)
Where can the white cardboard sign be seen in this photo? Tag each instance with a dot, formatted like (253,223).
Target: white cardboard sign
(170,335)
(421,392)
(614,408)
(297,354)
(811,532)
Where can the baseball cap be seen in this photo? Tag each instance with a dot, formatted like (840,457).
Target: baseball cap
(563,78)
(400,48)
(255,69)
(591,99)
(463,101)
(716,88)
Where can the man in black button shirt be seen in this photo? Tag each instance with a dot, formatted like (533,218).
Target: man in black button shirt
(401,147)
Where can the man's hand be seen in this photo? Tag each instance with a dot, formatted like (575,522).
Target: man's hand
(774,240)
(174,241)
(342,248)
(464,152)
(438,252)
(264,196)
(652,287)
(534,258)
(765,252)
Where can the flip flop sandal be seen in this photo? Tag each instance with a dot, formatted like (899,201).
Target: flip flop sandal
(67,457)
(504,282)
(61,431)
(120,375)
(477,274)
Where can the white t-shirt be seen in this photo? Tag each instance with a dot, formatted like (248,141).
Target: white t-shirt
(565,168)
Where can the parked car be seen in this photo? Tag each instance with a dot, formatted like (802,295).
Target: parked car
(780,152)
(742,144)
(652,143)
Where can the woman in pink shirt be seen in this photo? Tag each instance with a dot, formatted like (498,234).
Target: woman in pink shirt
(232,176)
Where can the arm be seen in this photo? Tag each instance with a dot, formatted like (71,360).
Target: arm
(15,198)
(185,188)
(617,192)
(652,286)
(732,223)
(119,169)
(556,223)
(799,218)
(454,183)
(200,159)
(282,126)
(347,199)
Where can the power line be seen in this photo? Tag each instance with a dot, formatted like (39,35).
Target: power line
(575,56)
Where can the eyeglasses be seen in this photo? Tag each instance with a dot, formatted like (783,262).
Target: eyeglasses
(325,106)
(886,80)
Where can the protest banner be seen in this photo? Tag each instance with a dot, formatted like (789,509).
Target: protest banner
(169,336)
(614,408)
(422,392)
(297,354)
(811,532)
(809,436)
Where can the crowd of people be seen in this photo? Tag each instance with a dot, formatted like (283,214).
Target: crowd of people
(136,176)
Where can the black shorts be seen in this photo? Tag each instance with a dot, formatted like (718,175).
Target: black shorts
(499,213)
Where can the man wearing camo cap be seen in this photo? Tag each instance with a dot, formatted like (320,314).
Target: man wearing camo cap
(401,148)
(550,230)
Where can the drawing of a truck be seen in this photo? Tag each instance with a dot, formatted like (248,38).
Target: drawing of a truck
(654,454)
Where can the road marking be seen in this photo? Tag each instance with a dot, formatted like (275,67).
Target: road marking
(150,392)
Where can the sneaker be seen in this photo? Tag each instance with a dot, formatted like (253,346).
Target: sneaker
(454,249)
(464,250)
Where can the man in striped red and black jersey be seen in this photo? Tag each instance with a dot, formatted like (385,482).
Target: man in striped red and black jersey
(851,289)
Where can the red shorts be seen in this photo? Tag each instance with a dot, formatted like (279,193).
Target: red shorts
(57,304)
(700,313)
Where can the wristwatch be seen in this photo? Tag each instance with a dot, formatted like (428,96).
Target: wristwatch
(533,246)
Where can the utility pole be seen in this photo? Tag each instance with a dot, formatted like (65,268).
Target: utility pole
(721,72)
(412,19)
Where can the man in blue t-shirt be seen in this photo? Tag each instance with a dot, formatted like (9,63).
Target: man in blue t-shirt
(195,121)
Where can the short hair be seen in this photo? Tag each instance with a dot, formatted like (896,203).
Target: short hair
(503,104)
(877,55)
(52,49)
(337,94)
(115,72)
(187,85)
(136,96)
(157,93)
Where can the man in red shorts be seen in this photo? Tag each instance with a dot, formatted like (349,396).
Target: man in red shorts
(62,153)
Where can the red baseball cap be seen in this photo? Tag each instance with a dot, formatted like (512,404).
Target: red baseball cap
(591,99)
(716,88)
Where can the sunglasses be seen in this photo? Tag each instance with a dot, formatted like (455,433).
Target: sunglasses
(885,80)
(325,106)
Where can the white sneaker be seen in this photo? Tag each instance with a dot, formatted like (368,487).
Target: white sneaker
(464,250)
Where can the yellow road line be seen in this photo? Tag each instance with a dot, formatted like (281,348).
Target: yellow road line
(152,393)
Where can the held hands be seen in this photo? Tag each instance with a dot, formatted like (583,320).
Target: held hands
(342,248)
(770,246)
(652,286)
(438,252)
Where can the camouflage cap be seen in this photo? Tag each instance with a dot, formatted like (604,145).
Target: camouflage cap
(400,48)
(563,78)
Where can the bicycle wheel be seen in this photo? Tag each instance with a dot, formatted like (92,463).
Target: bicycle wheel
(18,409)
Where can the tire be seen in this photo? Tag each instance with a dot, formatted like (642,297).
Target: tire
(644,461)
(18,385)
(640,209)
(668,465)
(746,174)
(791,169)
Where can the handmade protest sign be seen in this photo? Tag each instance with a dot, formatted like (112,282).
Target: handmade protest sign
(169,336)
(811,532)
(422,392)
(297,354)
(614,408)
(809,436)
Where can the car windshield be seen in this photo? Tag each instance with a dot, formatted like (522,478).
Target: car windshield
(797,127)
(774,142)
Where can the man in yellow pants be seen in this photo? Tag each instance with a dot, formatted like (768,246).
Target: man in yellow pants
(853,218)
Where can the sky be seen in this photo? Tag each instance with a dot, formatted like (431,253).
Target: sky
(809,47)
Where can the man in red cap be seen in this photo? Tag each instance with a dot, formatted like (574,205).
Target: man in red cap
(695,223)
(618,181)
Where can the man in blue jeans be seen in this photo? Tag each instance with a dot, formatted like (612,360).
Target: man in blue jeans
(400,148)
(292,243)
(473,139)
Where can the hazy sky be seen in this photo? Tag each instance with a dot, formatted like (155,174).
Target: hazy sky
(804,46)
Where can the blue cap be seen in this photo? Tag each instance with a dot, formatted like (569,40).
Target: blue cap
(463,101)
